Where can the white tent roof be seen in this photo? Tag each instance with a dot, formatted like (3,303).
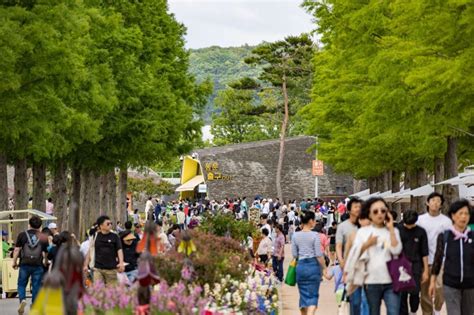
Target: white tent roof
(191,184)
(400,196)
(361,193)
(367,197)
(461,179)
(420,191)
(385,194)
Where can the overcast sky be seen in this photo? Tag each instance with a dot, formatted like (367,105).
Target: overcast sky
(237,22)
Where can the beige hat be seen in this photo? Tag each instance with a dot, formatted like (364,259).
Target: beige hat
(129,237)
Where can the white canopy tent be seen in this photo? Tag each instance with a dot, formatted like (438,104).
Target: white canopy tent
(385,194)
(367,197)
(400,196)
(461,179)
(362,193)
(420,191)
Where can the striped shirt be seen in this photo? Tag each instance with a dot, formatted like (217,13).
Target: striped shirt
(306,245)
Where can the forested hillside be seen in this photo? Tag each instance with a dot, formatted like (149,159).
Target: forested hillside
(221,65)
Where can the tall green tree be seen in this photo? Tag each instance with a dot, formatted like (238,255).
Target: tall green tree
(284,64)
(385,79)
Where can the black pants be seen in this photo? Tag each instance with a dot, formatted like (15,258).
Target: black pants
(411,298)
(263,258)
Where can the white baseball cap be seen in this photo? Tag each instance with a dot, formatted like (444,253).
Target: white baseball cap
(52,226)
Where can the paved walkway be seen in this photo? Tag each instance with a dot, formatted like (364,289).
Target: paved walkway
(327,299)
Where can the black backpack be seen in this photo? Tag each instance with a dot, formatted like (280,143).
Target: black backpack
(32,253)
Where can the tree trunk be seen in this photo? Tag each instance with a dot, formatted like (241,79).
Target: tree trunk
(422,178)
(284,127)
(39,186)
(387,181)
(74,218)
(60,195)
(104,195)
(438,173)
(122,195)
(406,185)
(84,203)
(112,198)
(396,188)
(380,183)
(3,183)
(372,184)
(413,184)
(21,193)
(95,194)
(395,181)
(450,192)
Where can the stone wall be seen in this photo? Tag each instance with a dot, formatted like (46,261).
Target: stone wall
(250,169)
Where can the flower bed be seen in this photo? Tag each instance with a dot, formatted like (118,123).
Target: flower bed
(216,278)
(256,294)
(177,299)
(214,258)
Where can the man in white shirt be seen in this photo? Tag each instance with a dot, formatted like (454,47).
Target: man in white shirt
(266,207)
(148,208)
(343,232)
(291,214)
(434,223)
(181,218)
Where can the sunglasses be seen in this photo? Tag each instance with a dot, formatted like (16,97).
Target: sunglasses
(376,211)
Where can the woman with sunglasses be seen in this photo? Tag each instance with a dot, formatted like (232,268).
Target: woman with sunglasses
(306,248)
(455,255)
(378,242)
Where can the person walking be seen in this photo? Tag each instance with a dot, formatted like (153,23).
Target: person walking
(332,241)
(343,233)
(306,249)
(130,255)
(455,247)
(376,244)
(278,252)
(434,223)
(181,219)
(264,250)
(32,250)
(149,209)
(415,247)
(106,253)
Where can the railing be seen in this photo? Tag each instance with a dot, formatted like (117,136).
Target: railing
(169,174)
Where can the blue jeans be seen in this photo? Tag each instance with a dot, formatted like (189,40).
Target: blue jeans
(132,275)
(355,302)
(377,292)
(278,267)
(36,274)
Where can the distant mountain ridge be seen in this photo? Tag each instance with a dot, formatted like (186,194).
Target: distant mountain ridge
(222,65)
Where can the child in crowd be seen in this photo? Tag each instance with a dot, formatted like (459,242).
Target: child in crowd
(336,272)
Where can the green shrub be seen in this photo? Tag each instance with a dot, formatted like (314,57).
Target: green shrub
(214,258)
(227,225)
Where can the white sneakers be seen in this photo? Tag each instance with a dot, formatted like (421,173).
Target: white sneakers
(21,308)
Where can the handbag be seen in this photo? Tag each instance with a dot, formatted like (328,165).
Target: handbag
(290,278)
(400,269)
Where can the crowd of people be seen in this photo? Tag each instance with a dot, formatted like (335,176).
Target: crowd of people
(350,241)
(369,240)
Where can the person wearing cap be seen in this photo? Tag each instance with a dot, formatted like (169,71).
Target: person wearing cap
(130,255)
(53,227)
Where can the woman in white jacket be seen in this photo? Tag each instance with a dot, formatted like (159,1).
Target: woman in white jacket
(377,243)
